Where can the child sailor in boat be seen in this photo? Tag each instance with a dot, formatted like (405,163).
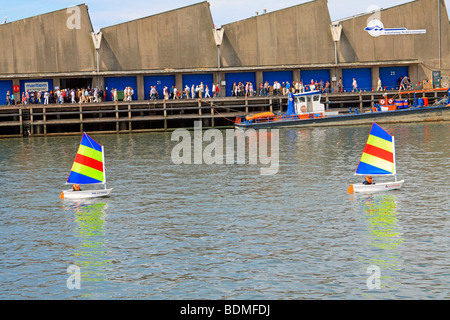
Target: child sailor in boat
(368,181)
(76,187)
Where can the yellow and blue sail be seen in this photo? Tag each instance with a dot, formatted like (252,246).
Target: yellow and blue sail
(378,157)
(88,167)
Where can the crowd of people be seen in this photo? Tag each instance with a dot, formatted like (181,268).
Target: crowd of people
(126,95)
(277,88)
(190,92)
(58,96)
(238,89)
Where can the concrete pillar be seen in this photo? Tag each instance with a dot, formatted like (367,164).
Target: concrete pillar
(259,78)
(296,75)
(140,88)
(99,82)
(339,76)
(413,71)
(178,82)
(56,83)
(222,85)
(375,76)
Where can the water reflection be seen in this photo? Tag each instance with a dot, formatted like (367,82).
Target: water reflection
(91,253)
(381,213)
(384,237)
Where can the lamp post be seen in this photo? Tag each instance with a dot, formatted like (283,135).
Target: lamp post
(440,35)
(336,31)
(97,38)
(218,37)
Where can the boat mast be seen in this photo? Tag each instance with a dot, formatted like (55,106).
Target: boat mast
(395,162)
(104,169)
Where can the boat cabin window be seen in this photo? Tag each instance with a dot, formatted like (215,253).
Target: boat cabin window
(301,99)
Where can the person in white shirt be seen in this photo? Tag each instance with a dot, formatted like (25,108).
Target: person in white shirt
(355,85)
(46,96)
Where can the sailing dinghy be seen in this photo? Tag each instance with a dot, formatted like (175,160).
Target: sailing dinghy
(88,169)
(378,159)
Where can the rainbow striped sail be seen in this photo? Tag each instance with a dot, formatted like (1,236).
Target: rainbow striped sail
(378,157)
(89,164)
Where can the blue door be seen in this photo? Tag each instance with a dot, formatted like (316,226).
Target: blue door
(363,77)
(196,79)
(5,86)
(243,77)
(317,75)
(279,76)
(160,82)
(390,76)
(120,83)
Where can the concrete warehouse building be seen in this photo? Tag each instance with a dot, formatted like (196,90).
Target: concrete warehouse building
(182,48)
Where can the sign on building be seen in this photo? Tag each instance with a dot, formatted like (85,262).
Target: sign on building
(437,79)
(376,28)
(36,86)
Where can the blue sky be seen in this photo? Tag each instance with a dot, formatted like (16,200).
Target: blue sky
(105,13)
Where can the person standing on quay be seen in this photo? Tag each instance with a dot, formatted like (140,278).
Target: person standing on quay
(46,96)
(340,86)
(201,90)
(207,95)
(217,91)
(379,87)
(8,98)
(355,85)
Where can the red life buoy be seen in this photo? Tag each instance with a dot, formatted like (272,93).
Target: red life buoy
(382,102)
(391,101)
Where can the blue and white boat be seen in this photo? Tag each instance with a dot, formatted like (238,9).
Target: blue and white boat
(301,107)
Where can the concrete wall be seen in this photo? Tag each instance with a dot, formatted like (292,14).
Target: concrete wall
(357,45)
(45,43)
(177,39)
(296,35)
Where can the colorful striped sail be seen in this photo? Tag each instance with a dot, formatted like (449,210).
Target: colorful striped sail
(88,167)
(378,157)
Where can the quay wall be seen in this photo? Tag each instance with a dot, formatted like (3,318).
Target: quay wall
(36,120)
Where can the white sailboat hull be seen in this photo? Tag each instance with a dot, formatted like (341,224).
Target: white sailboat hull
(378,187)
(87,194)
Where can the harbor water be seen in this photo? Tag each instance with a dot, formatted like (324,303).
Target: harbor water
(199,231)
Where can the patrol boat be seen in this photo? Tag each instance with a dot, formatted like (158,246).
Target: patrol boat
(301,107)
